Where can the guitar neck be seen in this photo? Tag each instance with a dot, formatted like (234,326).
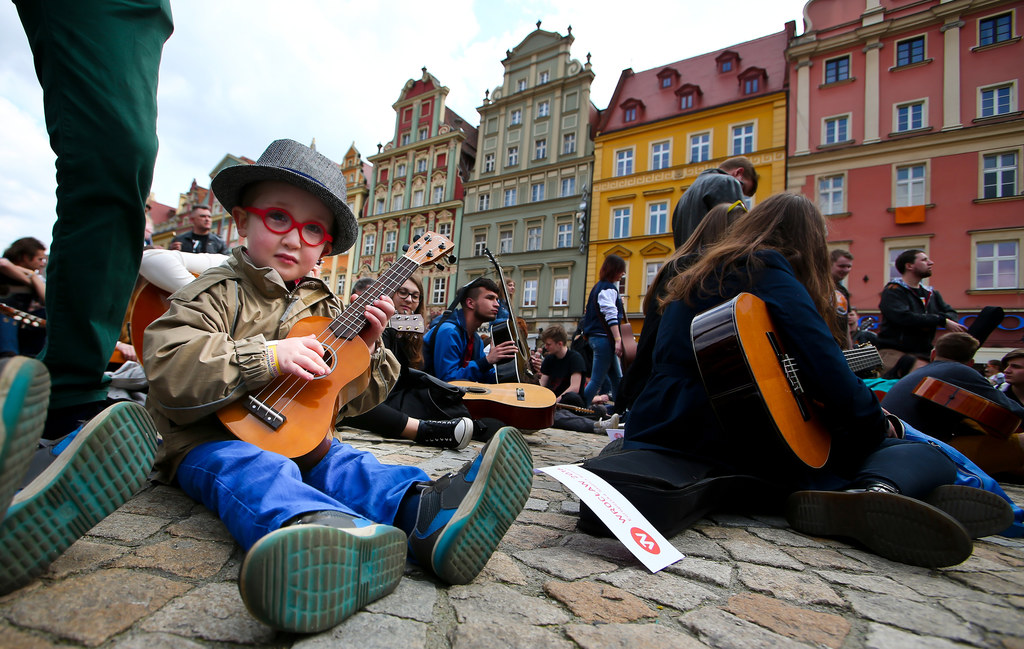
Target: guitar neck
(351,321)
(862,358)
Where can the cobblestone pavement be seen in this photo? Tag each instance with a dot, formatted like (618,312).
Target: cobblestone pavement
(161,573)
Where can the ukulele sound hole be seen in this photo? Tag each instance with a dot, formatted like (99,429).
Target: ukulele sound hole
(330,359)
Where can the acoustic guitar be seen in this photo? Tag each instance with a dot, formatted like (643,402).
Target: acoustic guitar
(992,418)
(523,405)
(22,318)
(754,386)
(292,416)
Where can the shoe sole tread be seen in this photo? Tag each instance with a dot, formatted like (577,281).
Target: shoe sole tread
(25,390)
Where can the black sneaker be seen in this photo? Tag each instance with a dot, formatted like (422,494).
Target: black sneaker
(891,525)
(981,512)
(463,516)
(310,576)
(454,433)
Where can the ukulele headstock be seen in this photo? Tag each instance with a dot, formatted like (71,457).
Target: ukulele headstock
(431,248)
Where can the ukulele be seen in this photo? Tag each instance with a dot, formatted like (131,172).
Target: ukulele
(292,416)
(994,419)
(754,386)
(22,318)
(523,405)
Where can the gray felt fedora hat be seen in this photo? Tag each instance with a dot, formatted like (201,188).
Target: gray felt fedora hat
(287,161)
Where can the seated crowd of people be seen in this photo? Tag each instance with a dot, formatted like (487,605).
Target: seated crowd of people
(229,364)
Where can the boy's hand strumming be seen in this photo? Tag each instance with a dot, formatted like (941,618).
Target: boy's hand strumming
(377,316)
(302,357)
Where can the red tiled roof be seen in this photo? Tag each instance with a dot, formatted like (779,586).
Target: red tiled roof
(159,212)
(644,91)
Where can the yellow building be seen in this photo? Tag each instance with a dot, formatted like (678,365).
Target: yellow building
(665,126)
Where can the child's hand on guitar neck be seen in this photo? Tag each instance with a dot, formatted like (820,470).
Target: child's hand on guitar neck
(377,316)
(302,356)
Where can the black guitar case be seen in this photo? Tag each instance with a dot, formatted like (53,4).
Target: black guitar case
(673,492)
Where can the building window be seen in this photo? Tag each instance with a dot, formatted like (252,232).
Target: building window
(997,264)
(666,82)
(657,218)
(489,162)
(726,66)
(837,69)
(521,85)
(529,292)
(630,115)
(910,117)
(568,186)
(563,238)
(510,197)
(418,232)
(425,108)
(369,243)
(390,241)
(483,202)
(341,285)
(543,78)
(516,117)
(400,171)
(910,185)
(661,155)
(424,133)
(569,143)
(622,285)
(560,296)
(830,194)
(405,139)
(995,29)
(540,149)
(750,86)
(438,194)
(505,241)
(620,222)
(997,100)
(999,175)
(445,229)
(479,243)
(379,206)
(397,202)
(837,129)
(651,271)
(439,292)
(513,156)
(533,237)
(624,162)
(421,165)
(742,139)
(910,51)
(417,198)
(700,147)
(544,109)
(536,192)
(686,101)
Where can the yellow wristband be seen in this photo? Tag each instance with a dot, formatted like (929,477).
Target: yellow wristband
(272,365)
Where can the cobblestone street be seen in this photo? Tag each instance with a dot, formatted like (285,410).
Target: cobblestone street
(161,573)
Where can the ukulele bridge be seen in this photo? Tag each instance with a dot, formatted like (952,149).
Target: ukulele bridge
(264,413)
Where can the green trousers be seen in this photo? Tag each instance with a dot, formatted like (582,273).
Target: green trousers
(97,62)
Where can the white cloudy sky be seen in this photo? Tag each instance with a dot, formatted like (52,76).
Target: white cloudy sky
(237,74)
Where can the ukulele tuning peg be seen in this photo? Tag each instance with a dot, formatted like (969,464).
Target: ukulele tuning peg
(439,266)
(416,238)
(452,259)
(405,248)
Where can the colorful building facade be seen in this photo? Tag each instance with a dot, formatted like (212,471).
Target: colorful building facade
(533,170)
(417,185)
(666,125)
(906,127)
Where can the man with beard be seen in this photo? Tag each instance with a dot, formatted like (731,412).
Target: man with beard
(912,312)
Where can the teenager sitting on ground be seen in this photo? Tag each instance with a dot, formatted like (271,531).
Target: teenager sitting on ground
(882,491)
(328,532)
(561,371)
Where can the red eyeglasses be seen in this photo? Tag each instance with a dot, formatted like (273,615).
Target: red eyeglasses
(280,221)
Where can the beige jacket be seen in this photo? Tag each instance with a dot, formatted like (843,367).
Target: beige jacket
(210,349)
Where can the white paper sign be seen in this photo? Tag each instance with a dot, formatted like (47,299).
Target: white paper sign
(622,518)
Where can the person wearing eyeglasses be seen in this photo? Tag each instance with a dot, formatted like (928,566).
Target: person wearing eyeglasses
(730,182)
(412,411)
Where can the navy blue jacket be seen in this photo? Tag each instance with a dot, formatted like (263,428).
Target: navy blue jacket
(594,322)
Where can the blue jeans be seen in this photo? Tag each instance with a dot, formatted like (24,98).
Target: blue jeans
(606,366)
(255,491)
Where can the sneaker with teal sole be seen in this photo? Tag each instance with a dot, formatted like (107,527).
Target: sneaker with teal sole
(105,463)
(307,578)
(463,516)
(24,396)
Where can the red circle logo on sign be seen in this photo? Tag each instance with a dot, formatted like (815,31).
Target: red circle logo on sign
(644,540)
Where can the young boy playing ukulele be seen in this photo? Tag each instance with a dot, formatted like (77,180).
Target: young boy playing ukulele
(327,532)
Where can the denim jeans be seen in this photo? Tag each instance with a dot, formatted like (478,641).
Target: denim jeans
(606,366)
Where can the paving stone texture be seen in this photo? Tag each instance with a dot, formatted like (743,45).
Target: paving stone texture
(161,573)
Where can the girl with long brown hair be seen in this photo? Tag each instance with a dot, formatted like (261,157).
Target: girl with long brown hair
(872,486)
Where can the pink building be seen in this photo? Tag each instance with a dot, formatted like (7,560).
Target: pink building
(905,125)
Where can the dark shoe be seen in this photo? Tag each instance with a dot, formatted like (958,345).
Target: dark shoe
(100,469)
(24,395)
(306,578)
(61,421)
(454,433)
(891,525)
(981,512)
(463,516)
